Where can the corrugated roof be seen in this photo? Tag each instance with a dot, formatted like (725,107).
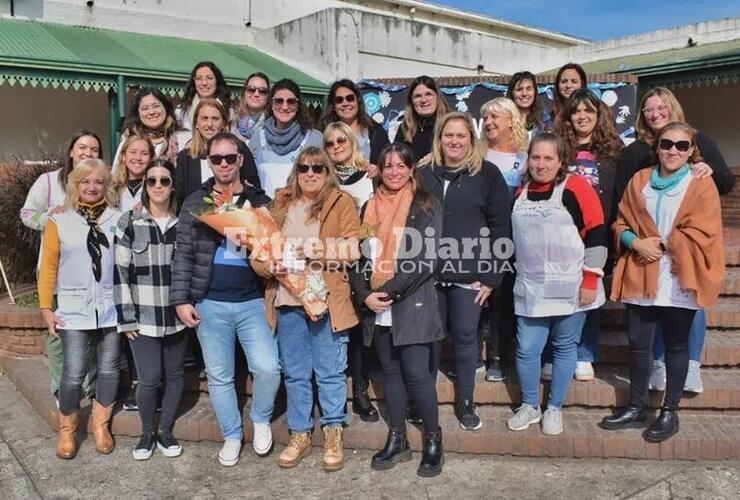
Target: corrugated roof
(49,46)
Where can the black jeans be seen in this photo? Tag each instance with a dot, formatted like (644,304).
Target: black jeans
(676,323)
(76,348)
(460,316)
(407,365)
(360,358)
(154,355)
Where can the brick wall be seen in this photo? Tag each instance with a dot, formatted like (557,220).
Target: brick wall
(22,332)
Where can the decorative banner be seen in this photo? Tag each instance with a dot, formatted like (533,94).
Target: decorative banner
(386,103)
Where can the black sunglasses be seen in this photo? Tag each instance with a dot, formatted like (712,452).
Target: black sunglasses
(667,144)
(303,168)
(217,159)
(291,102)
(340,141)
(257,90)
(163,181)
(339,99)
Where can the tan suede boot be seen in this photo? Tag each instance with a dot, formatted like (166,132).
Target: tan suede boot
(67,444)
(333,453)
(101,427)
(299,447)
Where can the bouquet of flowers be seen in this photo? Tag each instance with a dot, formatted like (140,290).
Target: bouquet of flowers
(255,229)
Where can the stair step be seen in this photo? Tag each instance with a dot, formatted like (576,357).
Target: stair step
(731,284)
(724,314)
(732,243)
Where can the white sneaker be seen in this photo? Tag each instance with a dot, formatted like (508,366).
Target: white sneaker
(262,440)
(546,373)
(584,371)
(229,454)
(524,417)
(552,422)
(657,376)
(693,378)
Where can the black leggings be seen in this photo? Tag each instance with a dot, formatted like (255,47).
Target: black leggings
(676,323)
(410,363)
(503,322)
(154,355)
(360,359)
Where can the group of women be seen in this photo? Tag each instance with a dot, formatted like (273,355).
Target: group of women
(559,185)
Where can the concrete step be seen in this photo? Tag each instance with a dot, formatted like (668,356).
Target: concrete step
(703,435)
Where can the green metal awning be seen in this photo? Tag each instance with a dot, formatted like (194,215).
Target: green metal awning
(54,55)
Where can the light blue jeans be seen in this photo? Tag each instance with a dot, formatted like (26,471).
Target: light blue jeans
(222,324)
(588,346)
(307,348)
(697,336)
(564,333)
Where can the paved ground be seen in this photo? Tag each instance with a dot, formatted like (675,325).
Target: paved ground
(29,469)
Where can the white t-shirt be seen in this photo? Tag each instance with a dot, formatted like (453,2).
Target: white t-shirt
(511,165)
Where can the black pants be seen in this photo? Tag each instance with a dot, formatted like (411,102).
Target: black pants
(502,330)
(407,365)
(154,355)
(360,358)
(676,323)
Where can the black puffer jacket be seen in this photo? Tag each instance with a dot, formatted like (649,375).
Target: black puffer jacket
(192,263)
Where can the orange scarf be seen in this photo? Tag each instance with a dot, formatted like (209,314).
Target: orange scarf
(387,211)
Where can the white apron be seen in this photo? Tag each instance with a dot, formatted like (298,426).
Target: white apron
(549,258)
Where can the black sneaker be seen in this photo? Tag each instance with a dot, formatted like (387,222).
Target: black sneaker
(130,403)
(495,371)
(145,448)
(412,414)
(168,445)
(469,419)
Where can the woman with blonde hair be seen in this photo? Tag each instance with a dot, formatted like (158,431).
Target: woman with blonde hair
(136,152)
(321,225)
(506,137)
(476,205)
(78,261)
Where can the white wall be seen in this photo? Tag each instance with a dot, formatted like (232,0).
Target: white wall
(716,111)
(37,121)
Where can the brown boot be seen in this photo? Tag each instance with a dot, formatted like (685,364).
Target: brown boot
(333,454)
(67,445)
(299,447)
(100,427)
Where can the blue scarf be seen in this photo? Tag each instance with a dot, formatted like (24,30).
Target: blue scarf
(661,184)
(283,140)
(247,125)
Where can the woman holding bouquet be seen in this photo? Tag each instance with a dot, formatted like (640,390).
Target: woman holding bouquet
(399,308)
(313,209)
(77,261)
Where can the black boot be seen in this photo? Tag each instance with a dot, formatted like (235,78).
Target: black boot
(632,417)
(432,456)
(361,403)
(665,426)
(396,450)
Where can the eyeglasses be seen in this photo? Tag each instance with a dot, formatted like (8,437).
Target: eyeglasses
(218,159)
(278,102)
(257,90)
(339,99)
(654,111)
(667,144)
(303,169)
(163,181)
(340,141)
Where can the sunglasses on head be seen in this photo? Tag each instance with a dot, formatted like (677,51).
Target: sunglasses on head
(218,159)
(667,144)
(339,99)
(163,181)
(303,168)
(341,140)
(257,90)
(291,102)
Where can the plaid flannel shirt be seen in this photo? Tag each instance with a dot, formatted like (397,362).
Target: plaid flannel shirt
(142,275)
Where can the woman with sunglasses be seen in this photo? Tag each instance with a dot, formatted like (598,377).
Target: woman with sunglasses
(522,89)
(569,78)
(193,168)
(671,263)
(77,262)
(250,114)
(658,107)
(144,245)
(313,208)
(152,116)
(206,81)
(424,105)
(345,104)
(340,144)
(284,134)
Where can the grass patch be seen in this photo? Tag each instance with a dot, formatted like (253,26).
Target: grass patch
(28,300)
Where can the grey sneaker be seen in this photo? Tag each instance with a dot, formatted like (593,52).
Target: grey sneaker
(657,376)
(693,378)
(525,415)
(495,372)
(546,373)
(229,454)
(552,422)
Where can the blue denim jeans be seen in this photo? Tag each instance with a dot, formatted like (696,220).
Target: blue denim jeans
(697,336)
(221,325)
(588,346)
(307,348)
(564,333)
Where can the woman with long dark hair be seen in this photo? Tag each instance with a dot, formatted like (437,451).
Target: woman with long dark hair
(424,105)
(522,89)
(569,78)
(206,81)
